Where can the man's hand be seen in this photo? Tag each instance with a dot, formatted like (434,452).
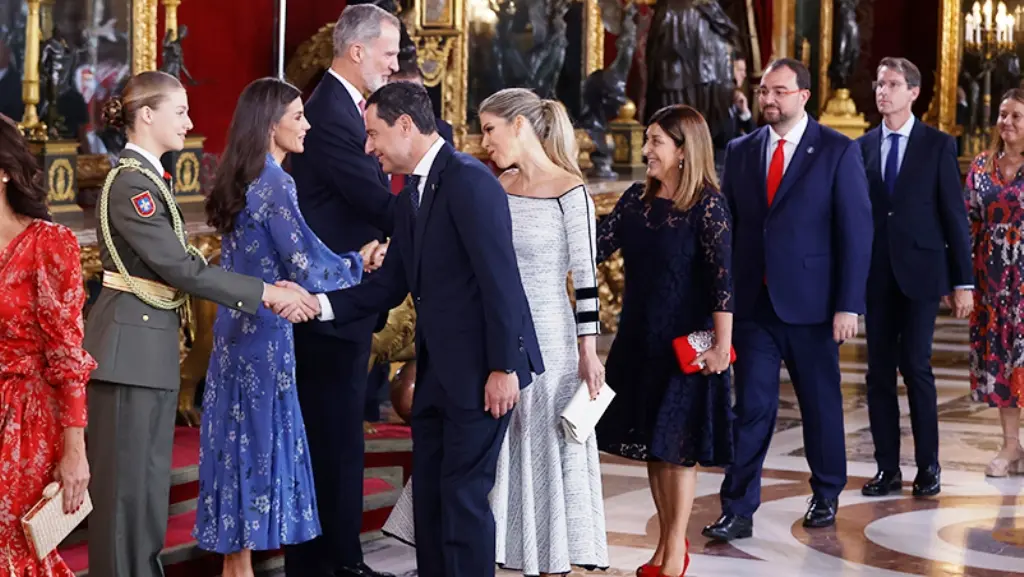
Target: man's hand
(844,327)
(373,254)
(291,301)
(961,304)
(501,393)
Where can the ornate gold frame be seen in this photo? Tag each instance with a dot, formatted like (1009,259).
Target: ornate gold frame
(942,109)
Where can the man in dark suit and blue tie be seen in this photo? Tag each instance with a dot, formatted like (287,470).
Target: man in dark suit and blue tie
(921,253)
(475,341)
(801,250)
(344,196)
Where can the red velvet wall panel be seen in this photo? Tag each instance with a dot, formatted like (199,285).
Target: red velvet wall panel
(230,43)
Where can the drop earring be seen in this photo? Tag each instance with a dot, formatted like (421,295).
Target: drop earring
(680,165)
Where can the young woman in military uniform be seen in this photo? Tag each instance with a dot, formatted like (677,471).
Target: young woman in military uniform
(149,271)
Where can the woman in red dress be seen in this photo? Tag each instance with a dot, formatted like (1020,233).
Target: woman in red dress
(43,368)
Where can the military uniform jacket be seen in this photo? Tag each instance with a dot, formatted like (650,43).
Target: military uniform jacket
(134,343)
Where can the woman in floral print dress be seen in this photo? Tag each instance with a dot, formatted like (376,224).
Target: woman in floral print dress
(43,368)
(995,191)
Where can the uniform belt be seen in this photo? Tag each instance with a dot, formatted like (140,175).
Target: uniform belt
(113,280)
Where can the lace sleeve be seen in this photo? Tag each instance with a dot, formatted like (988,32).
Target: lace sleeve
(608,234)
(974,208)
(60,299)
(578,216)
(716,246)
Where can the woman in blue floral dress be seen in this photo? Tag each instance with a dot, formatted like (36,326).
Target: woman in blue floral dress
(255,479)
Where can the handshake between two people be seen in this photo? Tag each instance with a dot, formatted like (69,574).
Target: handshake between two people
(291,301)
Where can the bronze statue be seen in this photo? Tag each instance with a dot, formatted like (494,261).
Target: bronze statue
(55,66)
(688,59)
(540,67)
(845,44)
(604,93)
(173,56)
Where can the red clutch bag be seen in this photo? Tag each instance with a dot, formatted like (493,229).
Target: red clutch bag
(690,346)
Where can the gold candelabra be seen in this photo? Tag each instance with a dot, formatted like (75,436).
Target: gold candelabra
(989,35)
(30,125)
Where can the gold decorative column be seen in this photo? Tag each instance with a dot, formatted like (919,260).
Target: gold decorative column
(838,110)
(30,124)
(144,39)
(171,17)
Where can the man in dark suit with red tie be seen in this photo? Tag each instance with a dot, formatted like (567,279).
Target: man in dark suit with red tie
(921,253)
(344,196)
(801,249)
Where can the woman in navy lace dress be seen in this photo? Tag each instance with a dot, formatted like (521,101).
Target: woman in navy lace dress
(675,235)
(255,479)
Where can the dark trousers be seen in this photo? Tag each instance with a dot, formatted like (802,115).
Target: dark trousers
(454,463)
(331,381)
(812,359)
(899,335)
(131,437)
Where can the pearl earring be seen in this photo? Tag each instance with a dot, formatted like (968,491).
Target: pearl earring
(5,179)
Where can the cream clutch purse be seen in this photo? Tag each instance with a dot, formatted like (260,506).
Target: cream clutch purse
(582,414)
(46,525)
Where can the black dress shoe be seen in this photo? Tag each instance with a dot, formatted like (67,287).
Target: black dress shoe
(883,483)
(729,527)
(927,482)
(821,513)
(361,570)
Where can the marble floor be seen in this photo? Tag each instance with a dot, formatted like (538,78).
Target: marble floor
(974,528)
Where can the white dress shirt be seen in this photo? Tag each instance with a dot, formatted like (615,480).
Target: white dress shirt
(159,168)
(422,170)
(789,149)
(904,132)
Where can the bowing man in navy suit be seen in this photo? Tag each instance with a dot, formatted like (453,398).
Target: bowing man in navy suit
(921,253)
(344,197)
(475,341)
(801,251)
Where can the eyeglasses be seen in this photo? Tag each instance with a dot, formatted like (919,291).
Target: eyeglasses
(890,84)
(777,92)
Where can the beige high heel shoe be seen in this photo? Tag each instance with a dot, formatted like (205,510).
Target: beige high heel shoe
(1002,467)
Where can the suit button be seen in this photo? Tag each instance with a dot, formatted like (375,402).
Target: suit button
(145,318)
(891,213)
(418,300)
(239,304)
(522,350)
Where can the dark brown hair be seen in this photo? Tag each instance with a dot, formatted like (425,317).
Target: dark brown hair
(144,89)
(26,192)
(688,131)
(260,107)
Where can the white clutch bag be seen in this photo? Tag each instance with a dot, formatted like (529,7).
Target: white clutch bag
(582,414)
(46,525)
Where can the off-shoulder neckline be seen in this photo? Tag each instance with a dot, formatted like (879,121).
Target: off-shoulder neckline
(559,197)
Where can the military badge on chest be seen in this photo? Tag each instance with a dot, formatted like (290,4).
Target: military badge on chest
(144,204)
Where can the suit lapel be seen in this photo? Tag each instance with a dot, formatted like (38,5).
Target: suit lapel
(805,151)
(911,156)
(872,157)
(430,190)
(761,189)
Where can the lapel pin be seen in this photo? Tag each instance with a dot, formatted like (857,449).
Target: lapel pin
(810,150)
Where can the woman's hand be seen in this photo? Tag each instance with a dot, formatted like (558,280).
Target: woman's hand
(714,360)
(591,369)
(73,469)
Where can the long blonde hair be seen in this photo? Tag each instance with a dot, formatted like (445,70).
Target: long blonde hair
(1017,95)
(688,130)
(548,118)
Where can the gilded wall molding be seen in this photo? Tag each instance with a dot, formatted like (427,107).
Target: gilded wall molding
(144,40)
(594,59)
(942,108)
(824,52)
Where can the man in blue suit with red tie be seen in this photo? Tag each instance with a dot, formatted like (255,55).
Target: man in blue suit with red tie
(801,251)
(921,252)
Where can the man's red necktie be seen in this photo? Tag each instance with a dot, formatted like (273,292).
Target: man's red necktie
(775,170)
(397,183)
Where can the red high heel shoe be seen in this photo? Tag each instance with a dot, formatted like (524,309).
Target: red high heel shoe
(648,570)
(686,564)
